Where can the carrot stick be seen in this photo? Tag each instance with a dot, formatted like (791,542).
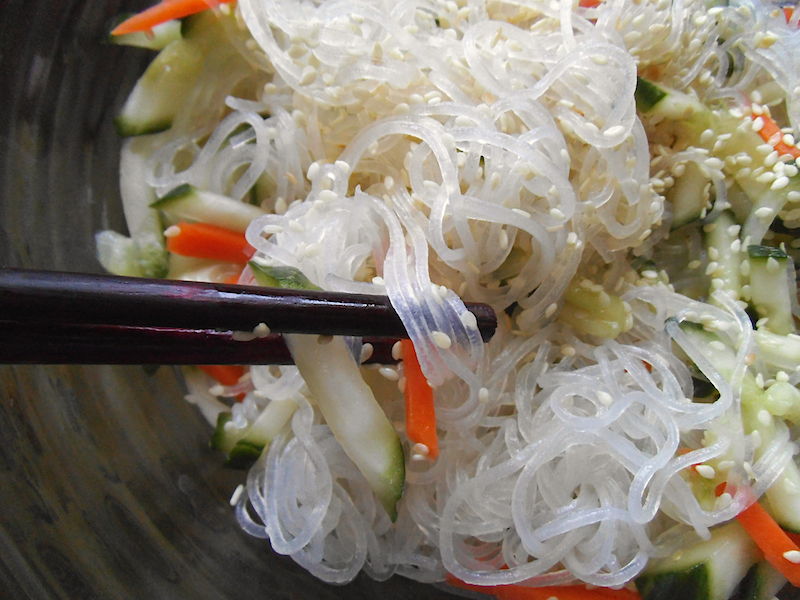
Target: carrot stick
(225,374)
(202,240)
(161,13)
(773,541)
(769,130)
(562,592)
(589,3)
(420,413)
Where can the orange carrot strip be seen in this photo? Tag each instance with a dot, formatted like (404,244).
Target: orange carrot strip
(771,129)
(773,541)
(420,413)
(224,374)
(589,3)
(161,13)
(562,592)
(202,240)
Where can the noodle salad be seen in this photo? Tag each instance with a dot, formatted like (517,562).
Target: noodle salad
(616,178)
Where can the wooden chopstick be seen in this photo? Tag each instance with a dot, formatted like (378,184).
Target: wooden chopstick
(79,299)
(46,343)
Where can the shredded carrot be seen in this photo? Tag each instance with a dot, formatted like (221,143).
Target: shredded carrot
(232,279)
(420,413)
(562,592)
(161,13)
(224,374)
(589,3)
(773,541)
(770,131)
(201,240)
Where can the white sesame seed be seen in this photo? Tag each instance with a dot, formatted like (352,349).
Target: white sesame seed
(766,177)
(172,231)
(389,373)
(605,398)
(366,352)
(378,281)
(764,417)
(441,339)
(779,183)
(706,471)
(793,556)
(568,350)
(397,351)
(483,395)
(261,330)
(764,213)
(469,320)
(556,214)
(420,448)
(237,493)
(614,131)
(243,336)
(550,310)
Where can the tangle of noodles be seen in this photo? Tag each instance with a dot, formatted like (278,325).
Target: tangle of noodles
(438,151)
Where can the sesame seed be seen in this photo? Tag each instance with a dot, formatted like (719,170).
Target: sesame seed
(779,183)
(469,320)
(793,556)
(420,448)
(237,493)
(550,310)
(614,131)
(389,373)
(397,351)
(441,339)
(483,395)
(764,417)
(261,330)
(764,213)
(172,231)
(758,124)
(605,398)
(366,352)
(568,350)
(706,471)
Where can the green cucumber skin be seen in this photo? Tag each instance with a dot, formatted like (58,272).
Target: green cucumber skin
(691,584)
(243,455)
(188,202)
(708,570)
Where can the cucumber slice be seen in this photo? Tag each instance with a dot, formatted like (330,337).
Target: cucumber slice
(345,400)
(708,570)
(187,202)
(762,582)
(593,311)
(648,94)
(782,499)
(718,239)
(687,196)
(157,39)
(161,92)
(244,446)
(770,288)
(169,86)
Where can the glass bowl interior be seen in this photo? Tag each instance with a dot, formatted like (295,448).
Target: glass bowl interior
(108,488)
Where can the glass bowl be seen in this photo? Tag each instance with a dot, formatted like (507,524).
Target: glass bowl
(108,488)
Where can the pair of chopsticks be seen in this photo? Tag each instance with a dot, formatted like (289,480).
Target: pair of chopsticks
(64,318)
